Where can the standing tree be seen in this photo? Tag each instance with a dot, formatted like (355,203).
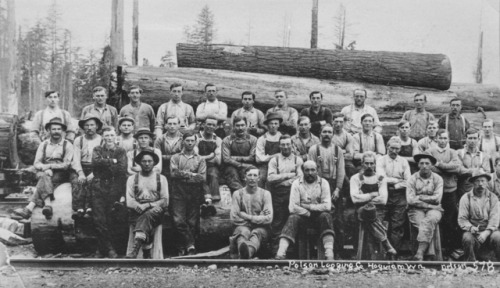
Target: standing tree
(340,30)
(203,32)
(167,60)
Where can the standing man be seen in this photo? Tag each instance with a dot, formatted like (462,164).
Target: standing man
(109,166)
(52,111)
(490,143)
(52,164)
(238,153)
(318,114)
(344,141)
(479,217)
(106,113)
(142,113)
(358,109)
(368,193)
(367,140)
(455,123)
(169,144)
(147,200)
(213,108)
(268,145)
(419,117)
(210,149)
(430,141)
(396,172)
(144,140)
(176,108)
(310,205)
(288,114)
(304,140)
(251,213)
(188,171)
(126,139)
(283,170)
(424,193)
(254,116)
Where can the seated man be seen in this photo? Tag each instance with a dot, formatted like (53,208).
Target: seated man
(423,193)
(209,148)
(368,193)
(147,199)
(479,217)
(52,164)
(310,205)
(268,145)
(251,213)
(144,140)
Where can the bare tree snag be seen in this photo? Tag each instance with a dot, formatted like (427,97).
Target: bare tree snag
(314,25)
(9,70)
(135,34)
(117,32)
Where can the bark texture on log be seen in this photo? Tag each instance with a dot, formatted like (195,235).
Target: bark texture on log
(376,67)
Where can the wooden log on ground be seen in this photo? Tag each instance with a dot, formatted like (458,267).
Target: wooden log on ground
(376,67)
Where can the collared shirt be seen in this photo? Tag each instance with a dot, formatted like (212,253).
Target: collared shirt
(418,122)
(448,167)
(251,204)
(143,115)
(54,154)
(108,114)
(109,163)
(301,146)
(147,187)
(475,159)
(254,116)
(317,195)
(217,109)
(324,114)
(329,163)
(358,197)
(192,164)
(260,149)
(218,149)
(169,145)
(180,110)
(344,140)
(83,149)
(289,114)
(369,142)
(426,143)
(455,128)
(131,163)
(394,170)
(354,114)
(249,153)
(42,117)
(482,212)
(281,168)
(423,191)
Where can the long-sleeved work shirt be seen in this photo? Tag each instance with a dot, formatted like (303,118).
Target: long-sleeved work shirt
(372,141)
(456,128)
(324,114)
(331,166)
(251,205)
(147,191)
(109,163)
(448,167)
(217,109)
(344,140)
(317,195)
(83,149)
(58,155)
(260,148)
(282,171)
(301,146)
(181,110)
(108,114)
(418,122)
(185,167)
(143,115)
(246,154)
(482,212)
(218,147)
(426,143)
(42,117)
(254,116)
(421,192)
(358,197)
(395,171)
(169,145)
(354,114)
(290,115)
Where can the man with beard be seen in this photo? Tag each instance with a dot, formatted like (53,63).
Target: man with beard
(126,139)
(358,109)
(109,166)
(144,140)
(251,213)
(318,114)
(283,170)
(188,171)
(212,108)
(368,193)
(142,113)
(419,117)
(169,143)
(52,163)
(268,145)
(288,114)
(254,116)
(448,166)
(238,153)
(456,124)
(209,148)
(396,172)
(52,111)
(175,108)
(489,143)
(303,140)
(310,205)
(423,193)
(147,200)
(479,217)
(106,113)
(430,141)
(82,175)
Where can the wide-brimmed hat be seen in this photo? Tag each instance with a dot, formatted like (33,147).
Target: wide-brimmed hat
(126,119)
(56,121)
(98,121)
(141,154)
(479,174)
(144,131)
(425,155)
(367,213)
(273,116)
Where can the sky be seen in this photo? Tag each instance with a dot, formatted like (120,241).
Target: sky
(449,27)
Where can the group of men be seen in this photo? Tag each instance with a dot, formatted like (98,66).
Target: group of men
(286,171)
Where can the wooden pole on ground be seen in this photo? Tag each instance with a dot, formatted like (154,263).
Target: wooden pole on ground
(314,28)
(117,32)
(135,34)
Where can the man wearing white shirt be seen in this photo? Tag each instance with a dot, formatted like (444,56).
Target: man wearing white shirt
(355,111)
(175,107)
(268,145)
(213,108)
(254,116)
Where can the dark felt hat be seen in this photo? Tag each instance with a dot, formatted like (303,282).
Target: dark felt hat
(126,119)
(417,157)
(367,213)
(150,152)
(479,174)
(144,131)
(273,116)
(56,121)
(98,121)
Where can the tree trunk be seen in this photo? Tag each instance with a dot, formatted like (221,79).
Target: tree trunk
(135,34)
(375,67)
(117,32)
(9,74)
(314,25)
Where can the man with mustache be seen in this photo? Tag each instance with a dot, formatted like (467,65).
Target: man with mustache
(254,116)
(355,111)
(142,113)
(106,113)
(52,163)
(268,145)
(288,114)
(52,111)
(310,205)
(176,108)
(419,117)
(367,140)
(251,213)
(304,140)
(368,191)
(456,124)
(318,114)
(479,217)
(210,148)
(423,193)
(238,153)
(430,141)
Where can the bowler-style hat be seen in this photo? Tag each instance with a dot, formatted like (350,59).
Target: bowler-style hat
(144,131)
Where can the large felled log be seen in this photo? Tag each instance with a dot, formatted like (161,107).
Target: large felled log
(376,67)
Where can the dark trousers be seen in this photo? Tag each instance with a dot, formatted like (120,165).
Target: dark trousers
(81,193)
(145,222)
(396,215)
(281,200)
(376,228)
(234,177)
(321,220)
(471,245)
(451,231)
(211,186)
(46,185)
(263,175)
(338,207)
(185,202)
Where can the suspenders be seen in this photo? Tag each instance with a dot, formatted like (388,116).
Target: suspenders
(361,142)
(278,164)
(136,183)
(44,155)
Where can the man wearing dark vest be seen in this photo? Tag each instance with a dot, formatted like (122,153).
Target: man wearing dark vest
(170,143)
(210,149)
(268,145)
(52,164)
(319,115)
(144,140)
(456,124)
(367,140)
(52,110)
(147,200)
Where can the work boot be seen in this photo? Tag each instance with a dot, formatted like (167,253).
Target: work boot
(329,254)
(146,253)
(47,211)
(388,248)
(244,250)
(25,213)
(137,245)
(422,247)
